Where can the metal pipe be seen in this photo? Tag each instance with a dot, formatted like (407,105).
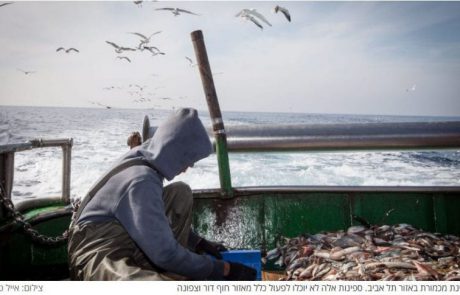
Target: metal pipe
(38,143)
(6,176)
(284,190)
(66,171)
(214,111)
(7,172)
(15,147)
(7,162)
(338,137)
(66,145)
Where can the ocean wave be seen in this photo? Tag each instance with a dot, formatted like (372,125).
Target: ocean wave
(100,139)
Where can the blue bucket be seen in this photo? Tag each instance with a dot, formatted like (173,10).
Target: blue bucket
(251,258)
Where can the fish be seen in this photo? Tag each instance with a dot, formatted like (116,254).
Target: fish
(373,252)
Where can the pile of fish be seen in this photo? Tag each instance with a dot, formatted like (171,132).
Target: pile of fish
(373,253)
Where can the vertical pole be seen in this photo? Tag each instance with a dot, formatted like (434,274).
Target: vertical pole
(6,176)
(66,169)
(214,111)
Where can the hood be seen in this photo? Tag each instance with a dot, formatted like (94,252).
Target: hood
(179,142)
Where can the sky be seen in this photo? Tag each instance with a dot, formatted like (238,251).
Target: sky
(383,58)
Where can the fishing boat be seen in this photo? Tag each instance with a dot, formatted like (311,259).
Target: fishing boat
(33,232)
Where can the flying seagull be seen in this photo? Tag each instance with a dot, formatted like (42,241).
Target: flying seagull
(252,12)
(154,50)
(253,19)
(120,49)
(145,40)
(283,10)
(176,11)
(6,3)
(124,57)
(138,3)
(26,72)
(100,104)
(191,63)
(67,50)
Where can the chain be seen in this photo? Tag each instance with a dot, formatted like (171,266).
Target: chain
(18,218)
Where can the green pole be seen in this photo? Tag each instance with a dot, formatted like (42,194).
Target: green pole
(215,113)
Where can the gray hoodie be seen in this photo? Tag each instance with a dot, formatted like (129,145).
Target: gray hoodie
(133,197)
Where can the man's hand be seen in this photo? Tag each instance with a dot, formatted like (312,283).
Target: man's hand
(240,272)
(211,248)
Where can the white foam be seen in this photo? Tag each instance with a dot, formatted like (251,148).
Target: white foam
(100,139)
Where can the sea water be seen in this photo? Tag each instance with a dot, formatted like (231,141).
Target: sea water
(100,135)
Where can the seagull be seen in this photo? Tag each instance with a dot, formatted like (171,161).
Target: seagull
(191,63)
(411,89)
(251,18)
(252,12)
(100,104)
(283,10)
(26,72)
(138,3)
(145,40)
(124,57)
(6,3)
(176,11)
(67,50)
(141,88)
(154,50)
(119,49)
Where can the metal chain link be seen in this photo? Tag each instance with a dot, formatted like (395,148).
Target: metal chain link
(18,218)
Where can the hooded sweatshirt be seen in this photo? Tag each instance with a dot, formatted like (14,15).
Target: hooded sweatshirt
(133,197)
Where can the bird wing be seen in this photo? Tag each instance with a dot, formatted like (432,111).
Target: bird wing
(113,44)
(166,8)
(189,59)
(25,72)
(124,57)
(157,32)
(286,13)
(242,13)
(6,3)
(140,35)
(186,11)
(249,17)
(259,15)
(60,48)
(127,48)
(72,49)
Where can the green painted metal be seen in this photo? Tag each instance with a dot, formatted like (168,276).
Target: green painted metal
(224,166)
(256,220)
(21,258)
(259,220)
(384,208)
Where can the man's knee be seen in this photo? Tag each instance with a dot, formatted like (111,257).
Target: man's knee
(181,192)
(181,188)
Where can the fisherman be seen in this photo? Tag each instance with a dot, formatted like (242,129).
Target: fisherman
(134,139)
(127,228)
